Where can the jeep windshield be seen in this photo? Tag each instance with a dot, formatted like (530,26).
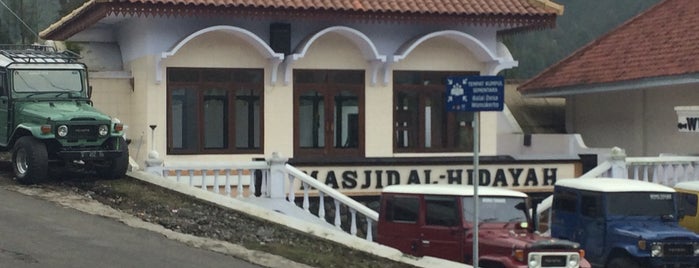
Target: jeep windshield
(495,209)
(641,204)
(51,82)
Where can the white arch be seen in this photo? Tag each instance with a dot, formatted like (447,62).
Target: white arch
(495,62)
(366,46)
(274,58)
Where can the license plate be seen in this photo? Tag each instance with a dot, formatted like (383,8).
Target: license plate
(553,261)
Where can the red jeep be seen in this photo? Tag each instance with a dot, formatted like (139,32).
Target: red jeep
(437,221)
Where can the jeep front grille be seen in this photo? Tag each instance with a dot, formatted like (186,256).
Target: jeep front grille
(82,132)
(554,261)
(676,250)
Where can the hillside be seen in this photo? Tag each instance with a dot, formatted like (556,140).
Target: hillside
(582,22)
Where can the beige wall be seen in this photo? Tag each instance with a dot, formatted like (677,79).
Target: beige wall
(208,50)
(333,51)
(147,103)
(443,54)
(114,96)
(440,54)
(125,99)
(109,96)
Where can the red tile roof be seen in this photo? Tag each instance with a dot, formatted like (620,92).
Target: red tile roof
(510,14)
(463,7)
(663,41)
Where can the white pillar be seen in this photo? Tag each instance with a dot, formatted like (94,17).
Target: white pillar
(277,176)
(154,164)
(618,161)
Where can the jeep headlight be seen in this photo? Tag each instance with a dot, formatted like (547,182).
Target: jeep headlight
(656,250)
(62,131)
(696,249)
(103,130)
(533,260)
(574,260)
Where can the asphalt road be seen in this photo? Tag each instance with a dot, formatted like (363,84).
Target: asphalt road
(38,233)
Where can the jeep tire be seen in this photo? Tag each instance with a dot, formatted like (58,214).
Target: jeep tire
(30,160)
(115,168)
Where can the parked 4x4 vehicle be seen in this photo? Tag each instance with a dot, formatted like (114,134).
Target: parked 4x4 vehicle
(688,193)
(623,223)
(46,116)
(437,221)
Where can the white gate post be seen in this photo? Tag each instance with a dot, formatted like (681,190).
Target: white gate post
(618,161)
(277,175)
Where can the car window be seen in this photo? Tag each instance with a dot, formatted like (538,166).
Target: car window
(564,200)
(48,81)
(402,208)
(441,211)
(2,84)
(495,209)
(688,204)
(591,205)
(641,204)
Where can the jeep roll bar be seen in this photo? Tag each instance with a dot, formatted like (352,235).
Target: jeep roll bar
(37,54)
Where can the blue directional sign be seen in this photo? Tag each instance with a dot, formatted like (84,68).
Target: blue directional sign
(475,93)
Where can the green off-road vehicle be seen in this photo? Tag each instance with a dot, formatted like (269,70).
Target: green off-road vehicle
(47,119)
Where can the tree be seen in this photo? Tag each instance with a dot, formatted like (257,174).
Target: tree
(22,20)
(581,23)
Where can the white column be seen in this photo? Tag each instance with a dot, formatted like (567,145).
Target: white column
(618,161)
(276,181)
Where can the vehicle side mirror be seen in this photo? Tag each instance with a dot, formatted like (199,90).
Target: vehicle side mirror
(89,92)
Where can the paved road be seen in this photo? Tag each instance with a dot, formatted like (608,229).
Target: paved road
(38,233)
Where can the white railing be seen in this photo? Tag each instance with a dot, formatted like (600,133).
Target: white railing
(666,170)
(312,186)
(234,180)
(280,181)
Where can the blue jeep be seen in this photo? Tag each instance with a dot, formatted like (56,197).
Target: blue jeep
(623,223)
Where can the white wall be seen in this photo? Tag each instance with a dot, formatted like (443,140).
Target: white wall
(643,122)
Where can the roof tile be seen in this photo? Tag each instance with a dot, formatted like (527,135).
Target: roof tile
(406,6)
(662,41)
(510,15)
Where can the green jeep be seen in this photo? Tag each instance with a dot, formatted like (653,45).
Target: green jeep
(47,118)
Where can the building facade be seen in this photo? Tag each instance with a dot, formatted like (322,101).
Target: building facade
(353,93)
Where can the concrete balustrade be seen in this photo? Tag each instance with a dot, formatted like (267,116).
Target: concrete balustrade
(277,181)
(663,169)
(340,200)
(235,180)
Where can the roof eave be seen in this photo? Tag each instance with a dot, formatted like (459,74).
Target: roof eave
(637,84)
(95,10)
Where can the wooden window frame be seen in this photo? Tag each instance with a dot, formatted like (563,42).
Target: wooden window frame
(425,89)
(231,88)
(329,89)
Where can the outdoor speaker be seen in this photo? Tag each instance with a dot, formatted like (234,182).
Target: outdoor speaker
(280,37)
(527,139)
